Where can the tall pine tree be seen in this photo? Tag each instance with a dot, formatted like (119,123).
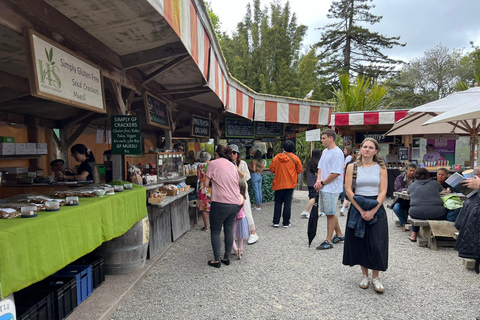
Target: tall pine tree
(351,48)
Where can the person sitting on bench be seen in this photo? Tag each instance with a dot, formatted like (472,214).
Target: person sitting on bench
(425,200)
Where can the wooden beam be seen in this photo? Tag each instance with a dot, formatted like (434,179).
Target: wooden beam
(11,81)
(117,95)
(75,135)
(128,103)
(201,106)
(163,68)
(168,51)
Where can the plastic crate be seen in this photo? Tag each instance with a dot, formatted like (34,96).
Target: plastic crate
(98,269)
(34,305)
(83,276)
(65,295)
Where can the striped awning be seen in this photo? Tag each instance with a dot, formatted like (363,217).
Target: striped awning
(367,118)
(295,113)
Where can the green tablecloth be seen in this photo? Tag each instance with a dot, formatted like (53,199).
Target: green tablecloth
(34,248)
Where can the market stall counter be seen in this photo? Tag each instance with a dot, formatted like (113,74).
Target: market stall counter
(168,219)
(33,249)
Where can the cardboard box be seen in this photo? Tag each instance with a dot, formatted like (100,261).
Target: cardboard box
(7,152)
(7,139)
(42,151)
(20,146)
(32,174)
(31,151)
(30,145)
(7,145)
(15,170)
(42,145)
(21,151)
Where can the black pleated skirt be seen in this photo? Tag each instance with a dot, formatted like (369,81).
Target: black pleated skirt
(371,251)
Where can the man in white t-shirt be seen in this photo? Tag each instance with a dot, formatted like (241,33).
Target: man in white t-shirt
(330,185)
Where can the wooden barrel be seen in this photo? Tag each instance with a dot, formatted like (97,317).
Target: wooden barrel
(128,252)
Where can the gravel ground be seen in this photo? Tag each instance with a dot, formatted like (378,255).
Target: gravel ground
(280,277)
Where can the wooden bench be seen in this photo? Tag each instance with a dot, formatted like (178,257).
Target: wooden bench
(427,238)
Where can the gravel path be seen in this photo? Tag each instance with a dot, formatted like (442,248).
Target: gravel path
(280,277)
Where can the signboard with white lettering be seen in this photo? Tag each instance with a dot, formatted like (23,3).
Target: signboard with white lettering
(58,74)
(200,127)
(156,111)
(126,135)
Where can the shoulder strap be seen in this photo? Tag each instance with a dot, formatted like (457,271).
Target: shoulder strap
(354,176)
(292,160)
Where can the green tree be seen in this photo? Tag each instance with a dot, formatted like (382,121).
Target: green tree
(214,19)
(363,95)
(352,48)
(310,79)
(264,51)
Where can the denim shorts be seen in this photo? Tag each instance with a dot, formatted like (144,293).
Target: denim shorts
(312,193)
(328,202)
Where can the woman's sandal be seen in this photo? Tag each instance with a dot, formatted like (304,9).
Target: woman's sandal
(239,254)
(413,240)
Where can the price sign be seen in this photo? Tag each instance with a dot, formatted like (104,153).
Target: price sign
(268,129)
(126,135)
(239,128)
(200,127)
(155,111)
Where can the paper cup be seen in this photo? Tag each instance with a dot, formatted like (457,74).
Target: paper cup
(469,174)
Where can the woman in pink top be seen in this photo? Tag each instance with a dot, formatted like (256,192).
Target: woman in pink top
(226,203)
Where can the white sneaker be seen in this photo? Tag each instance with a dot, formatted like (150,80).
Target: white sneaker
(254,208)
(377,285)
(252,239)
(321,214)
(365,282)
(305,214)
(258,208)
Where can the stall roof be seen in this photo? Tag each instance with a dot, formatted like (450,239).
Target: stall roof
(367,118)
(166,46)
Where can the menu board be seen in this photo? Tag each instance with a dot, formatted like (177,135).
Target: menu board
(403,153)
(246,142)
(155,111)
(126,135)
(200,127)
(268,129)
(239,128)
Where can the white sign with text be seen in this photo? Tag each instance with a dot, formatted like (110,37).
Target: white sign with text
(313,135)
(62,77)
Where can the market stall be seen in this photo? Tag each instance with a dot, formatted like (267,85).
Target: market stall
(35,248)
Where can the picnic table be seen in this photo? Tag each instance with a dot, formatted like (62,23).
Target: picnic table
(406,196)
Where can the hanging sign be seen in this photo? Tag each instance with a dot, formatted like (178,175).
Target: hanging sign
(239,128)
(126,135)
(155,111)
(268,129)
(58,74)
(312,135)
(200,127)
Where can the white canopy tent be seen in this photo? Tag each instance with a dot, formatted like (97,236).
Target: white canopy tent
(445,116)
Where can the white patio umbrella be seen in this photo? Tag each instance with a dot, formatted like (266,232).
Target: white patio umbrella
(465,114)
(419,120)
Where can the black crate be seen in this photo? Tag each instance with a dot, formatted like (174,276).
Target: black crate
(34,305)
(64,292)
(65,295)
(98,269)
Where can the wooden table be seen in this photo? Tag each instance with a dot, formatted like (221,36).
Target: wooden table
(406,196)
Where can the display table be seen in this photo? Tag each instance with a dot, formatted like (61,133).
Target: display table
(168,221)
(33,249)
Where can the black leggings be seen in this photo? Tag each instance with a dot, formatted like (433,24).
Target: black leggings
(222,214)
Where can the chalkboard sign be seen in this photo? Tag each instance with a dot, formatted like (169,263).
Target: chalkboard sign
(271,140)
(155,111)
(246,142)
(126,135)
(268,129)
(239,128)
(200,127)
(402,153)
